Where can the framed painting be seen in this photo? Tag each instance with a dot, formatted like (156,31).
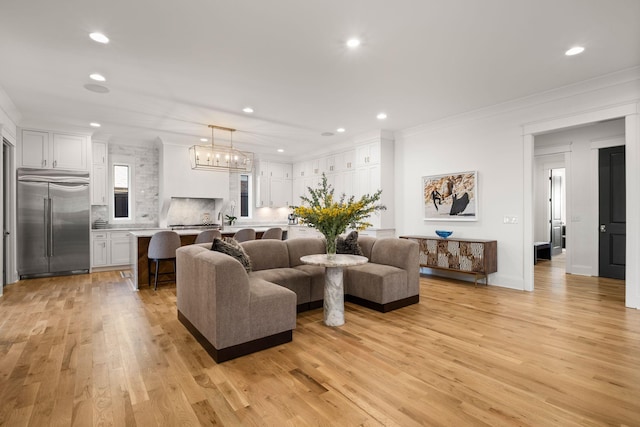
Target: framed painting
(450,197)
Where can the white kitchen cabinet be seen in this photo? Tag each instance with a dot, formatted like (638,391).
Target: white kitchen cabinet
(110,248)
(279,170)
(365,169)
(318,166)
(301,170)
(273,185)
(69,151)
(99,185)
(99,254)
(367,154)
(374,171)
(34,151)
(99,182)
(42,149)
(99,153)
(347,160)
(280,192)
(344,183)
(119,247)
(303,231)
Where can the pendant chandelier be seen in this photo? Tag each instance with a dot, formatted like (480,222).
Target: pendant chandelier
(220,157)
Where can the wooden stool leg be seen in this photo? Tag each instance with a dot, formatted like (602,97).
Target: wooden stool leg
(155,288)
(149,270)
(175,271)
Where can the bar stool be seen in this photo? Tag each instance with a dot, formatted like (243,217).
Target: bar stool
(162,247)
(273,233)
(207,236)
(245,234)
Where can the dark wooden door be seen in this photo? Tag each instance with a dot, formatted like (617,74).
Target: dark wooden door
(612,196)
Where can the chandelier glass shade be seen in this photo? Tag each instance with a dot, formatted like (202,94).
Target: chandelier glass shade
(220,157)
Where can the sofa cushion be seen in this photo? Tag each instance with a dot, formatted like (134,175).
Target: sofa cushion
(376,282)
(296,280)
(316,273)
(303,247)
(232,249)
(266,254)
(272,308)
(349,244)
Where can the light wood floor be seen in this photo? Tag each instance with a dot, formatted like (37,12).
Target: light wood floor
(86,350)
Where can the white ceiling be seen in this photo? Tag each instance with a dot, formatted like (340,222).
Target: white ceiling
(173,67)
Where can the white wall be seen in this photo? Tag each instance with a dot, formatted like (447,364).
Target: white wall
(491,142)
(177,179)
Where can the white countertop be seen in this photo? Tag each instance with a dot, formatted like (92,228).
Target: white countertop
(151,232)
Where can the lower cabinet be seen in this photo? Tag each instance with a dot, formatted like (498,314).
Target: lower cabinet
(110,248)
(99,251)
(300,231)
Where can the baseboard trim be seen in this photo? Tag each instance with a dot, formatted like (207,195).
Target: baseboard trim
(228,353)
(306,306)
(384,308)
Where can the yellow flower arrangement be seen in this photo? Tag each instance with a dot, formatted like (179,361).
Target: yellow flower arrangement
(331,217)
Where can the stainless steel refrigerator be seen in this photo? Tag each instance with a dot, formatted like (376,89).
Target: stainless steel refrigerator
(53,222)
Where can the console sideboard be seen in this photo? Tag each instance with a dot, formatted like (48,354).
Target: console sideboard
(469,256)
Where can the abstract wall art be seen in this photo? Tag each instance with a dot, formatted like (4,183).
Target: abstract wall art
(450,197)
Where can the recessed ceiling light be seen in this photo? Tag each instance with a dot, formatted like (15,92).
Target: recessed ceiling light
(574,51)
(99,37)
(97,77)
(340,130)
(247,110)
(280,150)
(381,116)
(94,125)
(353,43)
(203,139)
(96,88)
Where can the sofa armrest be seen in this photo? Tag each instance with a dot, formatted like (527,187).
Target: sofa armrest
(212,292)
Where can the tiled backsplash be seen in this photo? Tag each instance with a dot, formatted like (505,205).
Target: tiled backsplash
(192,211)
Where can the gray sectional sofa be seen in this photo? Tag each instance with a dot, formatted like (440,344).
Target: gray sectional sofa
(233,313)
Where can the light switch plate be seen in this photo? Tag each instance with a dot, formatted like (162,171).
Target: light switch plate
(509,219)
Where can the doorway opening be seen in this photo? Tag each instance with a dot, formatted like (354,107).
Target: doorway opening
(557,211)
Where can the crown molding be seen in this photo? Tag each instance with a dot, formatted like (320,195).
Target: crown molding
(618,78)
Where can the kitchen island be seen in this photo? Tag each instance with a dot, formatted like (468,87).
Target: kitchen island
(140,246)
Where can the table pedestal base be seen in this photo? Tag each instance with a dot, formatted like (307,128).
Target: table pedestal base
(333,297)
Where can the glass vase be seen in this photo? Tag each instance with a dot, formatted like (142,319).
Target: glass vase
(331,246)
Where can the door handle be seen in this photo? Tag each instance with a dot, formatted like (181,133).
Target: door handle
(46,228)
(603,228)
(51,227)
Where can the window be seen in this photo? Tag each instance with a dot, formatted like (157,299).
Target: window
(245,195)
(121,191)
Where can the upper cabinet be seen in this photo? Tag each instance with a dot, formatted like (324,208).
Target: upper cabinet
(53,150)
(368,154)
(273,184)
(99,181)
(365,169)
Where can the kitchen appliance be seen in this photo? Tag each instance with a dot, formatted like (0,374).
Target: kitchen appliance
(53,222)
(293,219)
